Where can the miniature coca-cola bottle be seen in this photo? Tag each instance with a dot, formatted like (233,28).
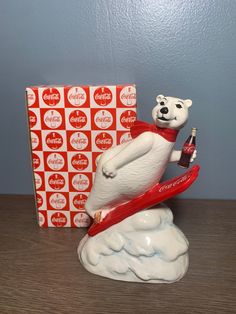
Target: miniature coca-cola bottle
(52,120)
(57,201)
(188,149)
(76,98)
(78,140)
(103,122)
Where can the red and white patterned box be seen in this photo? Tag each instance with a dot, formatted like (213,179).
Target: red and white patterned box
(70,126)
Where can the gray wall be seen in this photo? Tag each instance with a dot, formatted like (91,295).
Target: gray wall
(183,48)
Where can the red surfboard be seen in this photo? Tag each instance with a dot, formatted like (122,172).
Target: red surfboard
(159,193)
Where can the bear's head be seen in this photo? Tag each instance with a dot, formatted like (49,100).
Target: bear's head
(171,112)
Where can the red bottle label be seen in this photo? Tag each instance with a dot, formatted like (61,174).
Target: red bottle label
(188,149)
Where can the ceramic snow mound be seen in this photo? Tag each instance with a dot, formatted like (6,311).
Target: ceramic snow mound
(144,247)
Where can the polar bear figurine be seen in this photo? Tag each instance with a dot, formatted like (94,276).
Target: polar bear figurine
(130,169)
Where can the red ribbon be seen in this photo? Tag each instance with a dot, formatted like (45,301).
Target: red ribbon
(139,127)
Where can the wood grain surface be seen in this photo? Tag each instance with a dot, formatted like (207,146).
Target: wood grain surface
(40,272)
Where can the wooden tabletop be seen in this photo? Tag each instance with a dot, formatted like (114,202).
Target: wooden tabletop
(40,271)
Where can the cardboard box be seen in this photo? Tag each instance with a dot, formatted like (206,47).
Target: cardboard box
(70,126)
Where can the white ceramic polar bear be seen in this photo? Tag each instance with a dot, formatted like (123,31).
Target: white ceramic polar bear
(128,170)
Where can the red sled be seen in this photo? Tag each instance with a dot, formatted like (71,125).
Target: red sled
(159,193)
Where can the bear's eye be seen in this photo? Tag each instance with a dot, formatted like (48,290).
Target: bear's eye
(162,103)
(178,106)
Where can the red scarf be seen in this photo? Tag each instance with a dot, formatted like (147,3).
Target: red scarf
(139,127)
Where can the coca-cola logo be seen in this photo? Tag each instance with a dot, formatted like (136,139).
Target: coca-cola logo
(79,162)
(38,181)
(59,219)
(81,220)
(32,119)
(51,96)
(127,118)
(78,119)
(188,149)
(128,96)
(174,183)
(55,161)
(79,140)
(57,201)
(103,119)
(79,201)
(56,181)
(103,96)
(34,140)
(126,137)
(54,140)
(76,96)
(41,219)
(104,140)
(31,97)
(36,161)
(80,182)
(39,200)
(52,119)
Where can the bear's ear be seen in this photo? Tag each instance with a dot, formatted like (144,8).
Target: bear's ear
(159,97)
(188,102)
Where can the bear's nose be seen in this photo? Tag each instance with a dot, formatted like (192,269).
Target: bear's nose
(164,110)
